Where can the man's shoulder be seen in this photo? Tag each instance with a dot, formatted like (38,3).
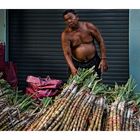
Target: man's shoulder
(90,25)
(87,24)
(66,31)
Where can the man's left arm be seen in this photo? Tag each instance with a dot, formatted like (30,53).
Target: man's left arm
(97,35)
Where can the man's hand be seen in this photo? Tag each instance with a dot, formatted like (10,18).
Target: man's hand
(103,65)
(74,71)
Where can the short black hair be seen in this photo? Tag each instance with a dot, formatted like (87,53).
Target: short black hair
(69,11)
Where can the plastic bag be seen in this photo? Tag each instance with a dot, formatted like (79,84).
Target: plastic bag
(10,74)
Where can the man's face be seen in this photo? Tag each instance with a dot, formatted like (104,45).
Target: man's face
(71,20)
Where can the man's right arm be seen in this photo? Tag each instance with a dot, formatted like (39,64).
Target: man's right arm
(67,52)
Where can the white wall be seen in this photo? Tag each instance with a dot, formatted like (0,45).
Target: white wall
(134,45)
(2,25)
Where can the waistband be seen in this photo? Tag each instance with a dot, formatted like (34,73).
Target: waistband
(85,61)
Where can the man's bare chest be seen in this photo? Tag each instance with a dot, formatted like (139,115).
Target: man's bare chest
(80,37)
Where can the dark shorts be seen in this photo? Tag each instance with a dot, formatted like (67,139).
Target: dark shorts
(88,64)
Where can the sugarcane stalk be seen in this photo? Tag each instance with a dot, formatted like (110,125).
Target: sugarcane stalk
(95,114)
(46,120)
(27,119)
(118,117)
(56,122)
(88,109)
(72,111)
(100,113)
(111,118)
(99,116)
(58,125)
(32,123)
(85,112)
(124,118)
(106,122)
(65,92)
(82,112)
(39,119)
(127,119)
(66,103)
(83,125)
(60,115)
(21,125)
(122,112)
(13,125)
(138,123)
(131,120)
(78,114)
(47,113)
(63,125)
(100,120)
(135,124)
(91,114)
(115,121)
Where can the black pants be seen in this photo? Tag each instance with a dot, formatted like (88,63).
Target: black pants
(88,64)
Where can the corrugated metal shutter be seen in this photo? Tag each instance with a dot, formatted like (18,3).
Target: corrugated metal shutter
(35,42)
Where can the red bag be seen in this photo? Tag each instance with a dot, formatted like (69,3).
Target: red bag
(10,74)
(42,87)
(2,58)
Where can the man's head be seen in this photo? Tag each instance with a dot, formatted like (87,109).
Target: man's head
(71,18)
(69,11)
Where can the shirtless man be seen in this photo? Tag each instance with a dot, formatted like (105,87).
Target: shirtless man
(79,46)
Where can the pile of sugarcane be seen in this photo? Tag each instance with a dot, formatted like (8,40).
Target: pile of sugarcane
(123,113)
(87,104)
(17,110)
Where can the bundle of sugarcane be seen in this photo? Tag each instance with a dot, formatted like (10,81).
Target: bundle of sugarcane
(9,115)
(3,103)
(85,103)
(5,106)
(113,117)
(77,116)
(136,121)
(25,119)
(27,116)
(97,114)
(120,114)
(136,110)
(79,119)
(33,116)
(14,107)
(96,119)
(132,117)
(80,112)
(5,88)
(18,117)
